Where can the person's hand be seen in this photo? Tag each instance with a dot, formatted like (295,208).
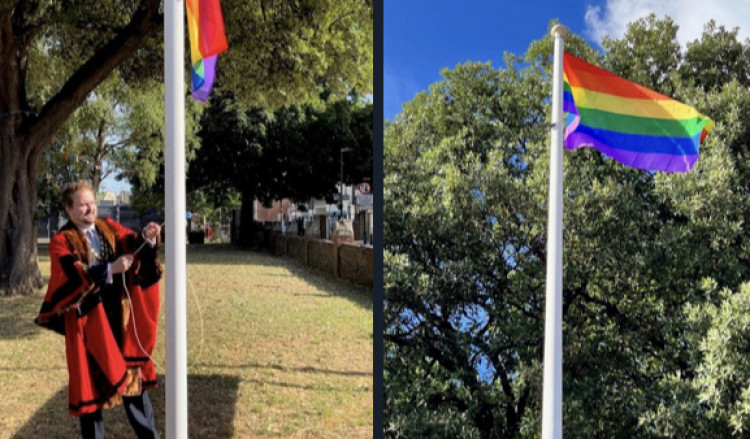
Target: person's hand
(151,231)
(122,264)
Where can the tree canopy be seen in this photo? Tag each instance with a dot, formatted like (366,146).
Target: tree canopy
(650,259)
(55,53)
(293,152)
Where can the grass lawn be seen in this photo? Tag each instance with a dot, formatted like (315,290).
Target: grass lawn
(274,350)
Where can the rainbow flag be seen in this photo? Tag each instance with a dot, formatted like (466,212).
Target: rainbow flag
(207,40)
(634,125)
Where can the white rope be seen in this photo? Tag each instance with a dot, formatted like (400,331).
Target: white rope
(132,316)
(132,312)
(200,314)
(135,327)
(130,303)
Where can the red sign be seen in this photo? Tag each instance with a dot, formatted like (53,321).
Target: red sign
(365,188)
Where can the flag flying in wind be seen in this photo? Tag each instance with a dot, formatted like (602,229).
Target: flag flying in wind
(207,40)
(632,124)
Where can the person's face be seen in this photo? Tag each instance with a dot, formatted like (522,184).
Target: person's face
(83,210)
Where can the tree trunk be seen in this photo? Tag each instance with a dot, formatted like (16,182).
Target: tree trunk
(25,132)
(248,229)
(96,181)
(19,166)
(19,268)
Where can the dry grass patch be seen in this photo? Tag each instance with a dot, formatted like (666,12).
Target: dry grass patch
(274,350)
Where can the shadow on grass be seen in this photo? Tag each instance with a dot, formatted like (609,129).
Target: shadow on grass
(303,369)
(317,388)
(328,284)
(225,254)
(228,254)
(211,406)
(33,369)
(17,316)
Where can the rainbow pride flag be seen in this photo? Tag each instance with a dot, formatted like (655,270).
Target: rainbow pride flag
(207,40)
(634,125)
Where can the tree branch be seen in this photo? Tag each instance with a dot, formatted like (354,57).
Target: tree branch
(145,23)
(622,320)
(339,18)
(523,401)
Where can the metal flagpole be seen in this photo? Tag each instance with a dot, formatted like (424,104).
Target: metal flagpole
(176,276)
(552,394)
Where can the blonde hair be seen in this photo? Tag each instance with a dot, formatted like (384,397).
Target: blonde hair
(70,190)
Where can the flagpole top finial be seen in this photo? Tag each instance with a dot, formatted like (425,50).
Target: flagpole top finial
(560,30)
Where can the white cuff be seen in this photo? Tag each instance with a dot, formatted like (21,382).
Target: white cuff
(109,274)
(151,242)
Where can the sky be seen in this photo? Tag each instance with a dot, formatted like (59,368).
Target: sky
(111,184)
(421,37)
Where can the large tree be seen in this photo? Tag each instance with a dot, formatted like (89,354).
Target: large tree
(118,131)
(53,54)
(293,152)
(466,181)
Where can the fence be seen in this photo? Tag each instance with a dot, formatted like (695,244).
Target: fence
(352,262)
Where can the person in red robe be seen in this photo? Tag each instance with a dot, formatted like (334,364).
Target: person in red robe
(103,296)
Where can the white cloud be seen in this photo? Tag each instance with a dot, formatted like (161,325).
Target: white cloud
(398,88)
(691,15)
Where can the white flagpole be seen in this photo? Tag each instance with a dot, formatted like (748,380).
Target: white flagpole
(552,394)
(174,59)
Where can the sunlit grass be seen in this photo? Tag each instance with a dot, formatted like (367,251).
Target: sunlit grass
(274,350)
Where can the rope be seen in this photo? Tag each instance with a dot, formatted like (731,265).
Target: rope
(200,314)
(132,312)
(135,327)
(132,316)
(130,303)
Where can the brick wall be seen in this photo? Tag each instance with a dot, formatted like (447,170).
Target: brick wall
(296,248)
(320,255)
(355,261)
(355,264)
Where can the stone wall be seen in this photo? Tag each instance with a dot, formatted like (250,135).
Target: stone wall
(355,264)
(296,248)
(355,260)
(320,255)
(279,246)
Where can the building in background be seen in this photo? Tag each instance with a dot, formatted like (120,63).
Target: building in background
(284,216)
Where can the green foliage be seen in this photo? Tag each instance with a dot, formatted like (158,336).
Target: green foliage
(59,52)
(723,375)
(648,53)
(59,167)
(460,234)
(283,53)
(293,152)
(125,127)
(280,52)
(297,51)
(465,189)
(118,131)
(713,400)
(717,58)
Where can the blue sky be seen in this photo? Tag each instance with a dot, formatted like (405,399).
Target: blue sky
(421,37)
(110,184)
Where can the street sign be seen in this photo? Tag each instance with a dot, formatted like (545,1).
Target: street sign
(365,188)
(364,202)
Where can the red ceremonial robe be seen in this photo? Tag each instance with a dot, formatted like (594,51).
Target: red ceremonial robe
(104,356)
